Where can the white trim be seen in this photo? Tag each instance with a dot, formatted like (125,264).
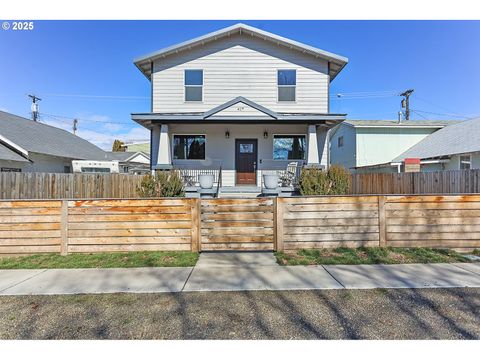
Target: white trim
(187,134)
(10,143)
(185,86)
(295,86)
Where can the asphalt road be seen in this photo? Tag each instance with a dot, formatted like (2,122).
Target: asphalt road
(330,314)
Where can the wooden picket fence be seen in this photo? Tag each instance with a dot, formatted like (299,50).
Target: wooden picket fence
(437,182)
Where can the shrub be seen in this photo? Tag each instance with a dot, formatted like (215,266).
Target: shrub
(315,181)
(163,184)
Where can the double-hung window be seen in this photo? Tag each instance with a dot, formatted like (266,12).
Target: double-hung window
(465,162)
(287,83)
(289,147)
(193,85)
(189,147)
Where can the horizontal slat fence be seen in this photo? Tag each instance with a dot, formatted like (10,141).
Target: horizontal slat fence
(67,186)
(28,227)
(72,226)
(325,222)
(237,224)
(437,182)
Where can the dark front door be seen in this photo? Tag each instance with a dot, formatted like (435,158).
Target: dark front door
(246,161)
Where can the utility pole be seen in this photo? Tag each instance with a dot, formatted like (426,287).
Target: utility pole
(405,103)
(75,122)
(35,101)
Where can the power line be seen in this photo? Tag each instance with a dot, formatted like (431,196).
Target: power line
(112,97)
(89,120)
(442,114)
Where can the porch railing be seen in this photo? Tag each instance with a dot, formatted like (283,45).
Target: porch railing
(288,171)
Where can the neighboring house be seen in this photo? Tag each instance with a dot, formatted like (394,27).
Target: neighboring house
(28,146)
(371,145)
(130,161)
(240,98)
(455,147)
(138,146)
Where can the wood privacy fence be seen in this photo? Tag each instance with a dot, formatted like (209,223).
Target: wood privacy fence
(76,226)
(438,182)
(67,186)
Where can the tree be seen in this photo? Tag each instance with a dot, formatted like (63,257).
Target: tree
(118,146)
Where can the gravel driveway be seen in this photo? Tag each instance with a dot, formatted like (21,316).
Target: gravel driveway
(330,314)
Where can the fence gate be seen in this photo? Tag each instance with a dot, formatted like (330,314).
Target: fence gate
(237,224)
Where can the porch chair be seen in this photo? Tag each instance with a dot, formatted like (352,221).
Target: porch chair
(289,176)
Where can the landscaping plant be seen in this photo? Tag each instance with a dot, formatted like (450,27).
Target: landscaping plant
(163,184)
(334,181)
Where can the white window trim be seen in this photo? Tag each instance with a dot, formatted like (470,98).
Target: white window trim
(290,134)
(185,87)
(460,161)
(294,86)
(187,134)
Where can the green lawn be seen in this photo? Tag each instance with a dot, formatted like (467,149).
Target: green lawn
(377,255)
(101,260)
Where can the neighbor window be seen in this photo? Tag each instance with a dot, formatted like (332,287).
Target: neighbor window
(193,85)
(189,147)
(286,81)
(465,162)
(340,141)
(286,147)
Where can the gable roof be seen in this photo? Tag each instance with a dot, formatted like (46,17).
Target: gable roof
(404,124)
(336,62)
(460,138)
(8,154)
(45,139)
(124,156)
(240,99)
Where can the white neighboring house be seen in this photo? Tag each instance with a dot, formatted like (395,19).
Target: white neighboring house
(455,147)
(28,146)
(371,145)
(240,98)
(132,162)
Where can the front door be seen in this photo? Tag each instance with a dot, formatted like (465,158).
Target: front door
(246,161)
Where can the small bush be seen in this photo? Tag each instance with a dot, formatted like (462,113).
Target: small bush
(334,181)
(163,184)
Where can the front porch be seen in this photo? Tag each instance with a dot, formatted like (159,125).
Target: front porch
(238,142)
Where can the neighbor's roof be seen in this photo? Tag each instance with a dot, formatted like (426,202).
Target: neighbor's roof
(337,62)
(10,155)
(124,155)
(403,124)
(45,139)
(460,138)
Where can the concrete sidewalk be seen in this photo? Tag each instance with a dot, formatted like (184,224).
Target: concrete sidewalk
(237,272)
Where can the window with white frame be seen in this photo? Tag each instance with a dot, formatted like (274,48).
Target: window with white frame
(189,147)
(465,162)
(287,83)
(193,85)
(340,141)
(289,147)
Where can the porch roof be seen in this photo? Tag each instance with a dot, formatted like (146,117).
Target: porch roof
(213,116)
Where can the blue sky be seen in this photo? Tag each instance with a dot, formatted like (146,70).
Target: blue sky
(439,59)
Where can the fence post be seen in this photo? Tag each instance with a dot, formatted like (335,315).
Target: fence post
(382,226)
(196,225)
(64,228)
(278,223)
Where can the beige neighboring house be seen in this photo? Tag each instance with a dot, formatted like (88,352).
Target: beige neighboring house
(28,146)
(143,147)
(242,99)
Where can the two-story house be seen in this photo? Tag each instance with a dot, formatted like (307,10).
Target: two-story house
(240,98)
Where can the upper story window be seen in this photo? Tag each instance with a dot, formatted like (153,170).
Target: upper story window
(287,82)
(340,141)
(465,162)
(189,147)
(193,85)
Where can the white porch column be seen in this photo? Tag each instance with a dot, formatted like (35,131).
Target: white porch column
(160,150)
(164,158)
(312,155)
